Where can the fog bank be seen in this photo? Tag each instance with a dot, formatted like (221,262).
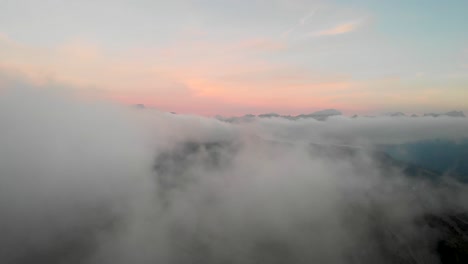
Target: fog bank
(85,181)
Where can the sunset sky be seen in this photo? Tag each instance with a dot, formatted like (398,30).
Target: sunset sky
(237,57)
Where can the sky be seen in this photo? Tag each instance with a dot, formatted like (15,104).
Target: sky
(237,57)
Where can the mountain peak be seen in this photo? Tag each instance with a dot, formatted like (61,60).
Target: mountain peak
(450,113)
(395,114)
(269,115)
(326,112)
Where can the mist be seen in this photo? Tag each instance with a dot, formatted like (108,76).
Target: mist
(88,181)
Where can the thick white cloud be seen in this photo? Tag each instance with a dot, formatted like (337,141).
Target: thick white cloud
(93,182)
(375,130)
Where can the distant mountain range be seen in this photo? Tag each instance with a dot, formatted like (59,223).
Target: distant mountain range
(451,113)
(321,115)
(325,114)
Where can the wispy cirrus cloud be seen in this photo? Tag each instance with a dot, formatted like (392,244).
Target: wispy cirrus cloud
(339,29)
(300,23)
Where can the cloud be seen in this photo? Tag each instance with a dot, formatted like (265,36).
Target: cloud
(304,19)
(94,182)
(339,29)
(258,45)
(227,76)
(302,22)
(356,131)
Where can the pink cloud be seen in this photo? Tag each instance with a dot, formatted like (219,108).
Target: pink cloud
(339,29)
(205,77)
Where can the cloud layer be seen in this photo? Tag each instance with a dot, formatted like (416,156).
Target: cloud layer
(339,29)
(94,182)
